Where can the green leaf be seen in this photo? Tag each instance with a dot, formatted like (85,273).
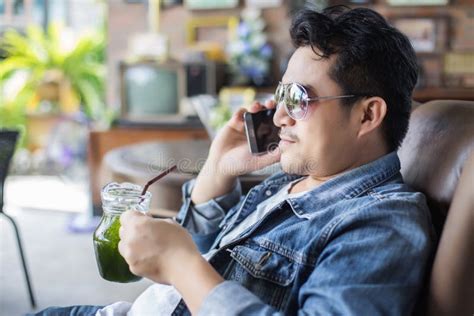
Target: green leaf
(39,52)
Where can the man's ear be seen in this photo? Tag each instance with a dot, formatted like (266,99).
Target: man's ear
(372,112)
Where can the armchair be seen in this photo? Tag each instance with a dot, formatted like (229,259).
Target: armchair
(437,158)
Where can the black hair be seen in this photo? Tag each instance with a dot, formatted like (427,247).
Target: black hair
(372,59)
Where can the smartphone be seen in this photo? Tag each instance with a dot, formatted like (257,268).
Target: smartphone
(262,134)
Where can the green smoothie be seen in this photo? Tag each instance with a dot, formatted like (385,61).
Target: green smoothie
(112,266)
(116,199)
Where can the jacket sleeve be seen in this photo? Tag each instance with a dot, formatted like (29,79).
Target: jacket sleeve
(203,220)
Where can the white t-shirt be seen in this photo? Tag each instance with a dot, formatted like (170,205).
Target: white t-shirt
(162,300)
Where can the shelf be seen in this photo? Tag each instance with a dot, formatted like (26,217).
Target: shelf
(427,94)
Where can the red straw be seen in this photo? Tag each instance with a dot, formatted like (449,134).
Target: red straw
(158,177)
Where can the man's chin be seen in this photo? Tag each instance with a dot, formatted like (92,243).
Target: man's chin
(290,167)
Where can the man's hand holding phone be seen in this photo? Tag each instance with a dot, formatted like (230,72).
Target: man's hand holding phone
(230,157)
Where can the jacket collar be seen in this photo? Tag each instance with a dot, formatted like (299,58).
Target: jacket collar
(349,184)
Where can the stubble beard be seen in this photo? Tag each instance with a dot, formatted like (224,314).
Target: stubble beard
(295,163)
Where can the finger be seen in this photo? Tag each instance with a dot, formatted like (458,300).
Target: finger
(171,221)
(238,116)
(237,120)
(121,249)
(129,216)
(168,220)
(256,107)
(267,159)
(270,104)
(121,232)
(124,251)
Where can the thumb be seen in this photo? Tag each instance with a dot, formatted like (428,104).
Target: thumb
(129,215)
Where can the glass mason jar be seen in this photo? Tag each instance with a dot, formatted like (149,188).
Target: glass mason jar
(116,199)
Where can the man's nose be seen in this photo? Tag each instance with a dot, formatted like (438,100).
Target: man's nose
(281,117)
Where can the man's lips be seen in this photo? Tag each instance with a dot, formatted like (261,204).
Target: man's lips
(285,141)
(287,138)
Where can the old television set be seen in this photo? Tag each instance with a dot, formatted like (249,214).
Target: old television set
(154,91)
(151,91)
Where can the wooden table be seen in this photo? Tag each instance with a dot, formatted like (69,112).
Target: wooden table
(139,163)
(100,142)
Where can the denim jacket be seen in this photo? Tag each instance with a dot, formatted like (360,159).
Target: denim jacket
(358,244)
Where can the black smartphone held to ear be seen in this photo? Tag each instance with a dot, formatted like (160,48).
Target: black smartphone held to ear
(262,134)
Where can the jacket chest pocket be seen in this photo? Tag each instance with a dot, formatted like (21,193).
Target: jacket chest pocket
(266,274)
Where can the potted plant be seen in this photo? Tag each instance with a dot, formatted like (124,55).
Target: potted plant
(46,77)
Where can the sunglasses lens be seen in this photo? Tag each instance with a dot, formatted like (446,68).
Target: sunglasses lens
(296,101)
(279,93)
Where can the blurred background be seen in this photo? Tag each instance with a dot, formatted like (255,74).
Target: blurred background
(118,90)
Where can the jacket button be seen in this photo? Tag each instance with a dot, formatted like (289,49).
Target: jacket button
(268,192)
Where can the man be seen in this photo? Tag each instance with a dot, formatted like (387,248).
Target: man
(337,232)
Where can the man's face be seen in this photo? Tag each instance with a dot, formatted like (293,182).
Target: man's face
(323,143)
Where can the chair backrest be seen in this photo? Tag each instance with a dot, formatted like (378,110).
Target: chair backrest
(8,140)
(439,141)
(451,288)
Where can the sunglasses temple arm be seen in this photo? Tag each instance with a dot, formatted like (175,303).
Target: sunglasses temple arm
(331,97)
